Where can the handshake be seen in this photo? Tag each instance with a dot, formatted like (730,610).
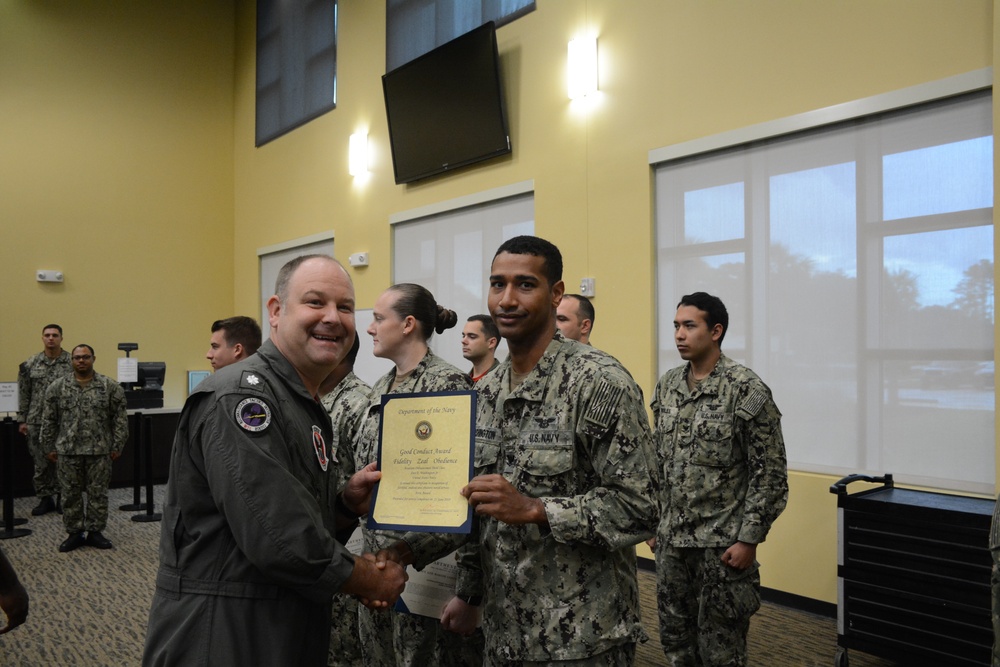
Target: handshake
(378,579)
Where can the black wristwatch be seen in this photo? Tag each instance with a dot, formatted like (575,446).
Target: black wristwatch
(474,600)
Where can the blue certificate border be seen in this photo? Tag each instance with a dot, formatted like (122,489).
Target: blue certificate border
(466,526)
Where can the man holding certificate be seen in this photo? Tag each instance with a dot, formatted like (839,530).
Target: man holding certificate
(565,483)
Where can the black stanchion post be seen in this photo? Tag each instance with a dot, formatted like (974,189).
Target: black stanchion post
(136,504)
(9,531)
(147,452)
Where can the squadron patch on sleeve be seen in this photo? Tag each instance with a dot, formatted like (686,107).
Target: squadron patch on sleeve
(319,444)
(252,414)
(603,408)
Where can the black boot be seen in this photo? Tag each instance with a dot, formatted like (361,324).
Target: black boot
(95,539)
(45,505)
(74,541)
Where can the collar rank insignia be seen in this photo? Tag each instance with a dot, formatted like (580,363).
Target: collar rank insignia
(320,446)
(252,414)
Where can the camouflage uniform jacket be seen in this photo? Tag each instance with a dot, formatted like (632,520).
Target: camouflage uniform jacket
(84,420)
(575,435)
(347,406)
(722,457)
(33,377)
(432,373)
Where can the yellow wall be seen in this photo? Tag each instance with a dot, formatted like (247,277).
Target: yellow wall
(116,167)
(127,161)
(671,71)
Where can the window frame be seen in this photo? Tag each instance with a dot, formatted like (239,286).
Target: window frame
(872,233)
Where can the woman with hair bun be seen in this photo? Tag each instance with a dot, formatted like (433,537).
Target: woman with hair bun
(404,319)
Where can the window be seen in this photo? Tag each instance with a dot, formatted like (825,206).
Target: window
(450,253)
(414,27)
(296,64)
(272,258)
(856,261)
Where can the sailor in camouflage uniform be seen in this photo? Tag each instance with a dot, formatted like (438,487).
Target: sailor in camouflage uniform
(564,484)
(85,423)
(345,399)
(724,482)
(404,318)
(33,377)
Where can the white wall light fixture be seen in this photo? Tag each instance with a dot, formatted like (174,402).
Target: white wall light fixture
(582,67)
(358,154)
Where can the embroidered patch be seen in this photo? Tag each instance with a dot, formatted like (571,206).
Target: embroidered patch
(251,380)
(252,414)
(603,407)
(751,404)
(319,444)
(423,430)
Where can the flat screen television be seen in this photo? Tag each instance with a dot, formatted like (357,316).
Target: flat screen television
(446,108)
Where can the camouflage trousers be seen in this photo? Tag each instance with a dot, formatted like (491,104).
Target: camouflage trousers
(619,656)
(79,475)
(390,638)
(45,480)
(704,607)
(345,642)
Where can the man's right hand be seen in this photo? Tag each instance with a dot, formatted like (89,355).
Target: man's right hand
(22,428)
(377,586)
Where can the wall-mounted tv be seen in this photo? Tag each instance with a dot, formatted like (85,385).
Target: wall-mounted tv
(446,108)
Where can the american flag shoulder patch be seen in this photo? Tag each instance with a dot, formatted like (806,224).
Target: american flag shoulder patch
(752,403)
(604,404)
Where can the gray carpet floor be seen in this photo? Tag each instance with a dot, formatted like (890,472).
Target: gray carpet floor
(89,607)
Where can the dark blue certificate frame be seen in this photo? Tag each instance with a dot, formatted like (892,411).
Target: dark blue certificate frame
(426,409)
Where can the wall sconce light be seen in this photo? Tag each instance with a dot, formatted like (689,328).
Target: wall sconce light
(582,67)
(357,164)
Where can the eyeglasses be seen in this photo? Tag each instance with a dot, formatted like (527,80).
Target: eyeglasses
(82,357)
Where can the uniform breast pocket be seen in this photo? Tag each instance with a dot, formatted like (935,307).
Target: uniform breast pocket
(547,468)
(666,421)
(487,453)
(713,443)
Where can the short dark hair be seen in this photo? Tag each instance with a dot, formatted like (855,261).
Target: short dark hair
(539,247)
(92,353)
(285,273)
(489,326)
(417,301)
(239,329)
(52,326)
(585,306)
(715,311)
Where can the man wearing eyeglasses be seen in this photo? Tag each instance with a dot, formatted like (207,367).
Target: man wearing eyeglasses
(33,377)
(84,428)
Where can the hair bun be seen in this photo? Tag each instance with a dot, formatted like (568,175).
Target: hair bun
(446,319)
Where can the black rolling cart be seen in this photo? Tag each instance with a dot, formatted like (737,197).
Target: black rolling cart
(913,575)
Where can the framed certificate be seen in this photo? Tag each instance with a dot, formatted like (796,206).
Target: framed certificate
(425,453)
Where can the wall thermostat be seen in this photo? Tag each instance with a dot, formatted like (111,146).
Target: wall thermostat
(358,259)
